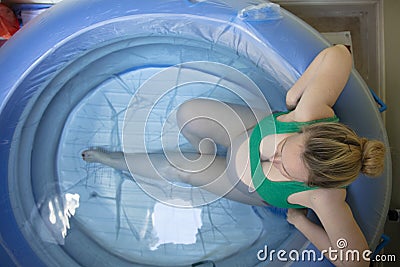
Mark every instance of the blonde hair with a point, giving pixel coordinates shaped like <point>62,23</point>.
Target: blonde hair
<point>335,155</point>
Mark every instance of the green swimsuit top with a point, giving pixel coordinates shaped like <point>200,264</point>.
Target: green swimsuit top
<point>276,193</point>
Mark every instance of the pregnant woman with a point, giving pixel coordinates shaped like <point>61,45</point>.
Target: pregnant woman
<point>299,159</point>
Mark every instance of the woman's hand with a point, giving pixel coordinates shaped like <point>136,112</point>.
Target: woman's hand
<point>295,215</point>
<point>292,99</point>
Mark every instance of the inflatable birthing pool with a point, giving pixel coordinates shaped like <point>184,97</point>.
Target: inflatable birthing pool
<point>69,77</point>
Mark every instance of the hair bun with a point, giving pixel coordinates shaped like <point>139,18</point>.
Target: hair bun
<point>373,157</point>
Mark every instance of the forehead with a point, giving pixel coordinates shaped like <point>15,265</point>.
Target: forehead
<point>295,141</point>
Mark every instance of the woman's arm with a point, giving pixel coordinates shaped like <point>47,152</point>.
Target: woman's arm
<point>316,91</point>
<point>338,225</point>
<point>313,232</point>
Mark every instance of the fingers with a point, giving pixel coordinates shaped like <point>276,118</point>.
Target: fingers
<point>294,215</point>
<point>292,100</point>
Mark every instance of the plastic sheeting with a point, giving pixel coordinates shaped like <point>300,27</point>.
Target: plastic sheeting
<point>72,72</point>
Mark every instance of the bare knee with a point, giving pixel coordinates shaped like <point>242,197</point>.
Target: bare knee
<point>184,113</point>
<point>190,110</point>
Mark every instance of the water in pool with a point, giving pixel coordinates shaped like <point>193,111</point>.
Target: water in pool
<point>112,209</point>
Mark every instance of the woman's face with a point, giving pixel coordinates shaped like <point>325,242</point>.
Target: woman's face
<point>287,158</point>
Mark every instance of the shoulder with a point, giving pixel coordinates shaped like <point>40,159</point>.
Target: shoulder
<point>307,115</point>
<point>319,198</point>
<point>322,197</point>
